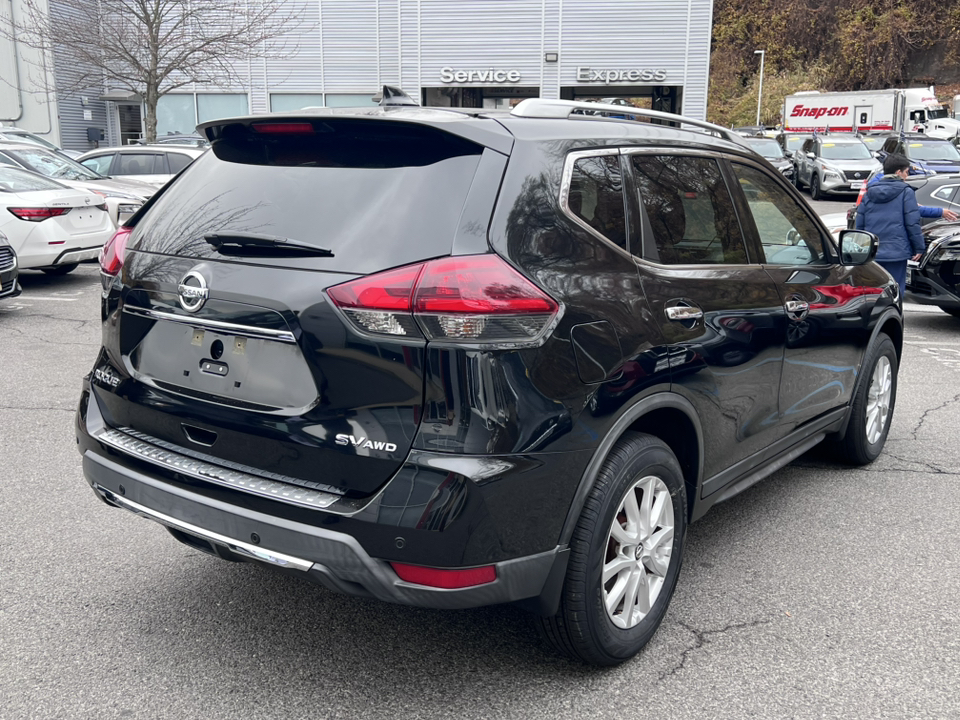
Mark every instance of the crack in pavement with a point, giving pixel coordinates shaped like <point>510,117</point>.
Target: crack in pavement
<point>701,638</point>
<point>17,407</point>
<point>923,418</point>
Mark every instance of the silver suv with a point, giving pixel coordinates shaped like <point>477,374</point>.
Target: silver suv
<point>831,164</point>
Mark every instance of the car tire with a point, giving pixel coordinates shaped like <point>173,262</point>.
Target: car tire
<point>815,193</point>
<point>607,622</point>
<point>61,269</point>
<point>873,405</point>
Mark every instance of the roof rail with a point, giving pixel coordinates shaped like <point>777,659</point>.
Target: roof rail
<point>542,108</point>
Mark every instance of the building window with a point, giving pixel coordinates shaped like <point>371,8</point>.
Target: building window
<point>180,113</point>
<point>289,102</point>
<point>345,101</point>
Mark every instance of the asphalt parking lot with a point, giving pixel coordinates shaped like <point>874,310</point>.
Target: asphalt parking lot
<point>822,592</point>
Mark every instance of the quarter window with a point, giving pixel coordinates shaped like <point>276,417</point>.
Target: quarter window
<point>178,161</point>
<point>788,235</point>
<point>596,196</point>
<point>690,218</point>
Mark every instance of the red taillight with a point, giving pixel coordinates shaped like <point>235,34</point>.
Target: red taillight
<point>111,254</point>
<point>283,128</point>
<point>38,214</point>
<point>446,579</point>
<point>473,298</point>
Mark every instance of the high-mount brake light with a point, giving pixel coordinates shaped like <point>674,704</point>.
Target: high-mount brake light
<point>283,128</point>
<point>38,214</point>
<point>446,579</point>
<point>111,254</point>
<point>471,299</point>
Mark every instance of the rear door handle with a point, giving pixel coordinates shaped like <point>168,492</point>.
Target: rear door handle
<point>682,313</point>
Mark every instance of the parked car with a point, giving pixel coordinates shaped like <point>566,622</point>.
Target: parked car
<point>933,191</point>
<point>50,226</point>
<point>790,143</point>
<point>935,278</point>
<point>9,271</point>
<point>834,163</point>
<point>927,155</point>
<point>18,135</point>
<point>152,164</point>
<point>428,355</point>
<point>770,150</point>
<point>188,140</point>
<point>123,197</point>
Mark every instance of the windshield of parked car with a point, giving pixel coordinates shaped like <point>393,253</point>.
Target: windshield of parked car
<point>53,165</point>
<point>795,142</point>
<point>29,138</point>
<point>769,149</point>
<point>16,180</point>
<point>926,150</point>
<point>844,151</point>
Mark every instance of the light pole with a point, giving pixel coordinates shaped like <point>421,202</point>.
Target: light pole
<point>760,93</point>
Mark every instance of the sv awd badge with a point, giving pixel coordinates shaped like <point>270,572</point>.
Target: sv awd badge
<point>365,444</point>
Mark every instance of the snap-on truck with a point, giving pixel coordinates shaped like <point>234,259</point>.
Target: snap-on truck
<point>910,110</point>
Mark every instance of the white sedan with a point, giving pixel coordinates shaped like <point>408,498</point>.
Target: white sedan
<point>51,227</point>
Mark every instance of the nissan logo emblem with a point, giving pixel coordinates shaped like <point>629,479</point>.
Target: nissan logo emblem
<point>192,291</point>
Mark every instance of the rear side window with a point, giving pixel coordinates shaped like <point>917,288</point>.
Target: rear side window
<point>690,218</point>
<point>100,164</point>
<point>140,164</point>
<point>178,161</point>
<point>377,194</point>
<point>596,197</point>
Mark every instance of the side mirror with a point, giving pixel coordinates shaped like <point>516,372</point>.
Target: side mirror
<point>857,247</point>
<point>788,153</point>
<point>810,155</point>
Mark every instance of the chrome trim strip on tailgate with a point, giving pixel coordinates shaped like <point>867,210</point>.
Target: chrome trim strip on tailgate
<point>224,327</point>
<point>217,474</point>
<point>237,546</point>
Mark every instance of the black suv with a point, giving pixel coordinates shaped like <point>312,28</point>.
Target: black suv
<point>452,358</point>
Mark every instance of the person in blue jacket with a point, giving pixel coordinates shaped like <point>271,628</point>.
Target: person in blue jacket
<point>889,210</point>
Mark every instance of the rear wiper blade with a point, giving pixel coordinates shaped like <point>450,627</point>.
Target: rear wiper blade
<point>258,245</point>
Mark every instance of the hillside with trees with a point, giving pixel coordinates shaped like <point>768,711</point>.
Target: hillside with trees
<point>827,45</point>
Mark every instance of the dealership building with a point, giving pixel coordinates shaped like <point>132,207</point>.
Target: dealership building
<point>447,53</point>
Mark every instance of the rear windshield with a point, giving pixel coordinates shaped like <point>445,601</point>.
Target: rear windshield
<point>17,181</point>
<point>376,194</point>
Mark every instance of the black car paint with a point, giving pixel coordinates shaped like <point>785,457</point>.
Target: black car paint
<point>935,280</point>
<point>531,428</point>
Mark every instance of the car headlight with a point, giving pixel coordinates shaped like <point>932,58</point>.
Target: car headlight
<point>827,170</point>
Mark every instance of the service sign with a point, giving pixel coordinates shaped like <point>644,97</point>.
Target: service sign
<point>490,75</point>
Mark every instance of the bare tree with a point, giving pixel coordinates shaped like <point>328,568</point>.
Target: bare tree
<point>152,47</point>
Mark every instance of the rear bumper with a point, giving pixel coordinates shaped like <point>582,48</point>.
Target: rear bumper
<point>333,559</point>
<point>425,515</point>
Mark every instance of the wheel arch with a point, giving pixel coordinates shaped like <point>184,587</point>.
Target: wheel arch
<point>665,415</point>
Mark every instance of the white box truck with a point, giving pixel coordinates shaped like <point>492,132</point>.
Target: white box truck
<point>909,110</point>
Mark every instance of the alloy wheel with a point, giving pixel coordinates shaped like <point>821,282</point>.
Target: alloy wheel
<point>639,547</point>
<point>879,395</point>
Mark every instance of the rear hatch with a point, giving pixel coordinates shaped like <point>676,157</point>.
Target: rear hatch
<point>220,326</point>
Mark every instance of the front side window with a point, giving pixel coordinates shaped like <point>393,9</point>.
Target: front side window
<point>596,197</point>
<point>690,218</point>
<point>99,164</point>
<point>788,235</point>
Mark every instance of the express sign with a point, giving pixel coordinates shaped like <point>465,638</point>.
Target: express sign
<point>801,111</point>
